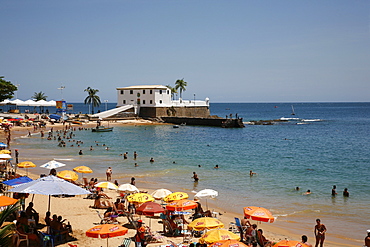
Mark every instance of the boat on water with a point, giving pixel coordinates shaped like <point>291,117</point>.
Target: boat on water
<point>102,129</point>
<point>293,113</point>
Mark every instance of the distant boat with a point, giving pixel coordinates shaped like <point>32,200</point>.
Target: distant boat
<point>102,129</point>
<point>175,126</point>
<point>293,113</point>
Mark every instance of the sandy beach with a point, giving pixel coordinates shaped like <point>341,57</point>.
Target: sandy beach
<point>77,211</point>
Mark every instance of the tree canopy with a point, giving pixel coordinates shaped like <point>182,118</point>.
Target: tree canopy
<point>181,85</point>
<point>173,91</point>
<point>6,89</point>
<point>92,98</point>
<point>39,96</point>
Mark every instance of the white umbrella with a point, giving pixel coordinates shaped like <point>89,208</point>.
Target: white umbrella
<point>29,102</point>
<point>128,188</point>
<point>52,164</point>
<point>161,193</point>
<point>205,194</point>
<point>50,185</point>
<point>5,156</point>
<point>16,102</point>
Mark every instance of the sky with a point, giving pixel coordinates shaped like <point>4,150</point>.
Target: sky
<point>227,50</point>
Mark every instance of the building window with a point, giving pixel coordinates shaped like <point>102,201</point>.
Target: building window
<point>131,91</point>
<point>168,91</point>
<point>138,101</point>
<point>144,102</point>
<point>160,91</point>
<point>138,94</point>
<point>143,91</point>
<point>121,91</point>
<point>151,91</point>
<point>160,102</point>
<point>124,102</point>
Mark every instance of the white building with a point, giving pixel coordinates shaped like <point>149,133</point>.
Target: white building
<point>155,101</point>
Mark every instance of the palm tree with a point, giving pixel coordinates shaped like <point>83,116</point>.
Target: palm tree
<point>92,98</point>
<point>6,232</point>
<point>173,91</point>
<point>181,84</point>
<point>39,96</point>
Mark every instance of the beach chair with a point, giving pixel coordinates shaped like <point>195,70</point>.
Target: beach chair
<point>241,228</point>
<point>103,220</point>
<point>153,237</point>
<point>126,242</point>
<point>22,237</point>
<point>46,239</point>
<point>132,221</point>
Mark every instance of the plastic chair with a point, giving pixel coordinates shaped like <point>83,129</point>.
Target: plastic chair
<point>22,237</point>
<point>46,238</point>
<point>126,242</point>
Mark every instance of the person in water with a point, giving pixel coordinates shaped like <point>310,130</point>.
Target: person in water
<point>195,176</point>
<point>319,231</point>
<point>333,190</point>
<point>345,192</point>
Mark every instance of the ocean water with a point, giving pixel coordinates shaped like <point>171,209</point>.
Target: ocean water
<point>327,146</point>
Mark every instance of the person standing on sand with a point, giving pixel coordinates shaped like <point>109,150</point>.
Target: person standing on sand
<point>109,173</point>
<point>195,176</point>
<point>367,239</point>
<point>319,231</point>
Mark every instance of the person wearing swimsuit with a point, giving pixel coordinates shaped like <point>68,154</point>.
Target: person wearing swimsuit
<point>320,230</point>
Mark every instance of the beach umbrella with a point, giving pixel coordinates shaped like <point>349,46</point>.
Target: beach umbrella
<point>181,205</point>
<point>213,236</point>
<point>176,196</point>
<point>129,188</point>
<point>53,164</point>
<point>259,214</point>
<point>6,201</point>
<point>5,156</point>
<point>289,243</point>
<point>17,181</point>
<point>3,145</point>
<point>5,151</point>
<point>140,198</point>
<point>204,223</point>
<point>83,169</point>
<point>67,175</point>
<point>106,231</point>
<point>161,193</point>
<point>50,185</point>
<point>149,209</point>
<point>228,243</point>
<point>106,185</point>
<point>205,194</point>
<point>26,164</point>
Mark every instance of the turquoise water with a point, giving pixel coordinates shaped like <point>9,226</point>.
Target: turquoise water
<point>329,148</point>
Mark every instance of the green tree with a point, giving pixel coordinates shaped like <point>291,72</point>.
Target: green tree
<point>181,85</point>
<point>92,98</point>
<point>6,232</point>
<point>39,96</point>
<point>173,91</point>
<point>7,89</point>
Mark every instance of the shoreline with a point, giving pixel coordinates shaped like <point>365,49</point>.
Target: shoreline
<point>272,231</point>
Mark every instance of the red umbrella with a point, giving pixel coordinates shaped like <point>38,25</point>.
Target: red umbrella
<point>150,208</point>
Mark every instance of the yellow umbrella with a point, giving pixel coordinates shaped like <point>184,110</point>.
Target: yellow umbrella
<point>67,175</point>
<point>107,185</point>
<point>140,198</point>
<point>26,164</point>
<point>83,169</point>
<point>5,151</point>
<point>203,223</point>
<point>216,235</point>
<point>176,196</point>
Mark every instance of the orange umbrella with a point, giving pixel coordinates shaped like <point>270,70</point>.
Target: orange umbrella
<point>106,231</point>
<point>181,205</point>
<point>259,214</point>
<point>289,243</point>
<point>6,201</point>
<point>176,196</point>
<point>228,243</point>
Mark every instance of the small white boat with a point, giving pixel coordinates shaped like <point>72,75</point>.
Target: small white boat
<point>102,129</point>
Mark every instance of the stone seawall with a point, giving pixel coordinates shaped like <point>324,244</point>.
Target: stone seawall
<point>190,112</point>
<point>217,122</point>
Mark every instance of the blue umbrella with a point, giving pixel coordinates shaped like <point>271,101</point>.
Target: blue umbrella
<point>17,181</point>
<point>55,116</point>
<point>3,145</point>
<point>50,185</point>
